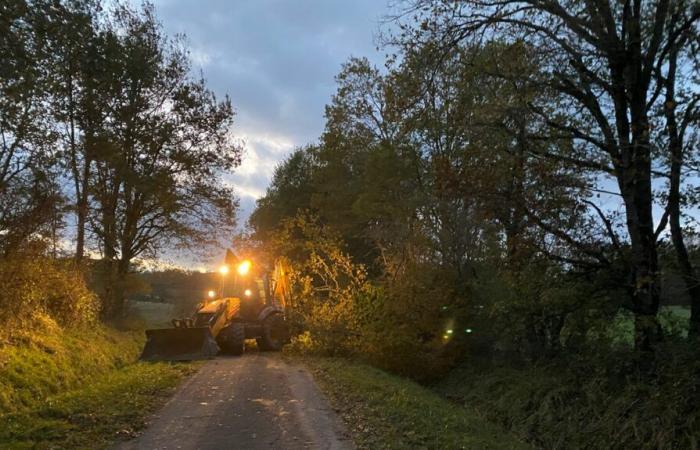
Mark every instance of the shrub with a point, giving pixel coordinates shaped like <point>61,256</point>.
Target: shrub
<point>34,287</point>
<point>397,327</point>
<point>403,324</point>
<point>396,324</point>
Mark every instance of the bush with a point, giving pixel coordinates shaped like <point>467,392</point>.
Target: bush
<point>42,287</point>
<point>396,328</point>
<point>397,324</point>
<point>403,325</point>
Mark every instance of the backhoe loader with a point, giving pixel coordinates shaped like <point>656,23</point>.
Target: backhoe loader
<point>222,325</point>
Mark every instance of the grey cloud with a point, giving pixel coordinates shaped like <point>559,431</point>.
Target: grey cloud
<point>276,58</point>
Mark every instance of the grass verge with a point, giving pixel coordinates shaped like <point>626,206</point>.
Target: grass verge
<point>48,360</point>
<point>389,412</point>
<point>78,388</point>
<point>112,408</point>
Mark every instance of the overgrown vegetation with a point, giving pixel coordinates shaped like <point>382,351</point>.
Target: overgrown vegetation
<point>586,403</point>
<point>388,412</point>
<point>516,191</point>
<point>38,287</point>
<point>66,380</point>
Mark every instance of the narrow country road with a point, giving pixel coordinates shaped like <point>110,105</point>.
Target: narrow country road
<point>257,401</point>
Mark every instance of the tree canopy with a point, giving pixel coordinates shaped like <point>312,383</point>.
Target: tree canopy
<point>104,125</point>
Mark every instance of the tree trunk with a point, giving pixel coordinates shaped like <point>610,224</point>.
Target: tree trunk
<point>645,297</point>
<point>633,166</point>
<point>688,273</point>
<point>82,206</point>
<point>675,143</point>
<point>634,177</point>
<point>694,325</point>
<point>118,300</point>
<point>82,211</point>
<point>80,191</point>
<point>110,299</point>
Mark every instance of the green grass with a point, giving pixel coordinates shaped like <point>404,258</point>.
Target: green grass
<point>113,407</point>
<point>673,319</point>
<point>389,412</point>
<point>151,314</point>
<point>585,404</point>
<point>48,360</point>
<point>80,388</point>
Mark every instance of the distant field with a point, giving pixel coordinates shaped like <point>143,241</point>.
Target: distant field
<point>680,311</point>
<point>674,320</point>
<point>152,314</point>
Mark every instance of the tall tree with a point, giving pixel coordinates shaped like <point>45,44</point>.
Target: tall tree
<point>72,58</point>
<point>27,190</point>
<point>600,57</point>
<point>681,115</point>
<point>159,159</point>
<point>290,191</point>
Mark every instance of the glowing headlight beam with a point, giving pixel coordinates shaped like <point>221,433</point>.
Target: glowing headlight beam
<point>244,267</point>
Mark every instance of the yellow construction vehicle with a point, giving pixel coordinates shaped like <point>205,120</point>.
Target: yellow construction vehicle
<point>257,310</point>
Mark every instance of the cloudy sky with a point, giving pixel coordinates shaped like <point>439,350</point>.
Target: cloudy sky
<point>277,60</point>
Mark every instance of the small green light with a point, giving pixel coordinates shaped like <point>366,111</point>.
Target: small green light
<point>449,331</point>
<point>468,330</point>
<point>444,308</point>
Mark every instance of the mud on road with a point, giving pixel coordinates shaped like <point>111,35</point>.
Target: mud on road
<point>257,401</point>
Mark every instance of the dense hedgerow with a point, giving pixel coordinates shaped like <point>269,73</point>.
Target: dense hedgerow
<point>38,286</point>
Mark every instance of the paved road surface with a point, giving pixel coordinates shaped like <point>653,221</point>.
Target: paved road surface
<point>256,401</point>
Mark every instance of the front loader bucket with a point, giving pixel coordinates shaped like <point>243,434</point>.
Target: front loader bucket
<point>179,344</point>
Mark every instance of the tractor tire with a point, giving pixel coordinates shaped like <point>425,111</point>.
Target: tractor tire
<point>275,333</point>
<point>231,339</point>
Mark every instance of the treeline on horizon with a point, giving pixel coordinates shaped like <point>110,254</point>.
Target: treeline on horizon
<point>111,150</point>
<point>512,189</point>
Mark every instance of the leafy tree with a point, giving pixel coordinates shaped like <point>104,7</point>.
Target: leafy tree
<point>357,124</point>
<point>28,193</point>
<point>100,107</point>
<point>72,57</point>
<point>601,59</point>
<point>158,160</point>
<point>290,191</point>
